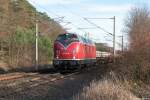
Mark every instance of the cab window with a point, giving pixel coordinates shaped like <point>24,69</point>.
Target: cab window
<point>68,38</point>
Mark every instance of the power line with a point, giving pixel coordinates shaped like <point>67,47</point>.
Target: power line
<point>86,19</point>
<point>88,28</point>
<point>114,29</point>
<point>99,18</point>
<point>57,15</point>
<point>97,26</point>
<point>75,15</point>
<point>91,24</point>
<point>78,28</point>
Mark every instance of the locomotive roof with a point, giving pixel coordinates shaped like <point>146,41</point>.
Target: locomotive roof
<point>82,39</point>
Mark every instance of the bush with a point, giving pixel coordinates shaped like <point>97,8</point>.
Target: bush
<point>136,62</point>
<point>21,48</point>
<point>106,90</point>
<point>45,45</point>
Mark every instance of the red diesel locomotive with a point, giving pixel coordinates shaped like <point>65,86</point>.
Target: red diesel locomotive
<point>72,51</point>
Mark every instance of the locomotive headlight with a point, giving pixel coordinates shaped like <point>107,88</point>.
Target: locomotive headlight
<point>57,57</point>
<point>74,57</point>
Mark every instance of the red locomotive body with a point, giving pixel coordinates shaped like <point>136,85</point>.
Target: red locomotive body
<point>72,49</point>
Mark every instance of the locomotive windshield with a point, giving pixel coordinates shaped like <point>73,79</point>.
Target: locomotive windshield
<point>66,39</point>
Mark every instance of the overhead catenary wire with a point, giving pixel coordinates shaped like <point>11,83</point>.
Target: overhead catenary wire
<point>57,15</point>
<point>97,26</point>
<point>86,19</point>
<point>83,18</point>
<point>98,18</point>
<point>93,24</point>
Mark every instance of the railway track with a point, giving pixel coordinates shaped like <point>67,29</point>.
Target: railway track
<point>14,83</point>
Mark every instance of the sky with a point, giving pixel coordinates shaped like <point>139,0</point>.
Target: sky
<point>71,15</point>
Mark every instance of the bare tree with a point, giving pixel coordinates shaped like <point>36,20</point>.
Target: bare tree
<point>138,26</point>
<point>138,29</point>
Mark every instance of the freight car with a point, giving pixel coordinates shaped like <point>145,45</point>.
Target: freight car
<point>72,51</point>
<point>104,57</point>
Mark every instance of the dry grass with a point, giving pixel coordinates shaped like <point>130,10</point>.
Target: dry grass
<point>106,89</point>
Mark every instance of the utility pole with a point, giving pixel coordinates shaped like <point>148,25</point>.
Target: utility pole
<point>112,34</point>
<point>114,38</point>
<point>36,51</point>
<point>122,44</point>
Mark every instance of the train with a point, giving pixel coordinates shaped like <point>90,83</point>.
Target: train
<point>103,57</point>
<point>72,51</point>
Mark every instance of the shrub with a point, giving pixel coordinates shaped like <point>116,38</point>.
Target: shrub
<point>21,48</point>
<point>136,62</point>
<point>106,89</point>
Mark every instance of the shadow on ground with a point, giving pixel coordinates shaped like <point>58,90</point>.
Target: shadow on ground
<point>42,69</point>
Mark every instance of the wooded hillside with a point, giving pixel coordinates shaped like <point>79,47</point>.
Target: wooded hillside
<point>17,34</point>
